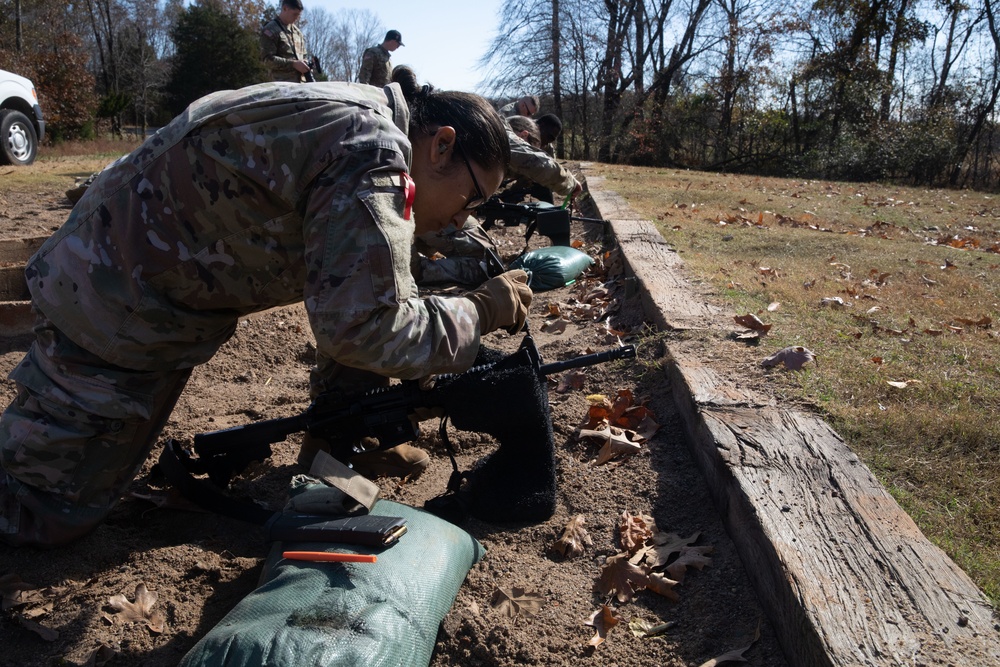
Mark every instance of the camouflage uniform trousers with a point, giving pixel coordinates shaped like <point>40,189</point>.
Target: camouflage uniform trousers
<point>74,438</point>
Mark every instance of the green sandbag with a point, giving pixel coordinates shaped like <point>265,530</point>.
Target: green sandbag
<point>552,267</point>
<point>347,614</point>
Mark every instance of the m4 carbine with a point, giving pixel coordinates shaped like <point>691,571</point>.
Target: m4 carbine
<point>546,219</point>
<point>343,420</point>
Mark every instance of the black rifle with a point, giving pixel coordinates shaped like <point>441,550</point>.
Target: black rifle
<point>546,219</point>
<point>314,66</point>
<point>383,413</point>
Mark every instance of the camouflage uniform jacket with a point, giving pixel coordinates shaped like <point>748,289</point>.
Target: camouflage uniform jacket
<point>508,110</point>
<point>280,46</point>
<point>527,162</point>
<point>251,199</point>
<point>376,69</point>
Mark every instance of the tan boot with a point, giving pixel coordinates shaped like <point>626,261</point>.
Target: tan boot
<point>310,447</point>
<point>398,461</point>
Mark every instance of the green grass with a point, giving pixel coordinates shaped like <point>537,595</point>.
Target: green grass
<point>914,302</point>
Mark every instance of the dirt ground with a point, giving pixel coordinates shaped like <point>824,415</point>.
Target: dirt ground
<point>201,565</point>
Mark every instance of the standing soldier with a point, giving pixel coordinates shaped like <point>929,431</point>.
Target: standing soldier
<point>376,68</point>
<point>283,46</point>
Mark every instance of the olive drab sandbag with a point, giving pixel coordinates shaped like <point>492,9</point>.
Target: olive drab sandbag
<point>552,267</point>
<point>347,614</point>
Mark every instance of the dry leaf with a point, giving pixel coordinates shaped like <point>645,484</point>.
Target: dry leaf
<point>616,443</point>
<point>634,530</point>
<point>773,306</point>
<point>574,539</point>
<point>100,656</point>
<point>752,322</point>
<point>792,357</point>
<point>47,634</point>
<point>601,620</point>
<point>140,611</point>
<point>733,656</point>
<point>696,557</point>
<point>835,302</point>
<point>571,380</point>
<point>642,628</point>
<point>556,326</point>
<point>621,578</point>
<point>516,602</point>
<point>662,585</point>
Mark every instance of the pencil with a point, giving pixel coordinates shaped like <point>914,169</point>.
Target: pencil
<point>329,557</point>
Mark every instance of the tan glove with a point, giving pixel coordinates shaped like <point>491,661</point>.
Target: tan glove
<point>502,302</point>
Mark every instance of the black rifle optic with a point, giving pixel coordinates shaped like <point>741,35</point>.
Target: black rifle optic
<point>383,413</point>
<point>546,219</point>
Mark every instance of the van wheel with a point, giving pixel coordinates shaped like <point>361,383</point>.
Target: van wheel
<point>18,141</point>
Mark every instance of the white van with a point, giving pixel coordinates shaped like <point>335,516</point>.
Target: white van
<point>21,122</point>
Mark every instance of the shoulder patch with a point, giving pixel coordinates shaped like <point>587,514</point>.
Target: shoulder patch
<point>268,33</point>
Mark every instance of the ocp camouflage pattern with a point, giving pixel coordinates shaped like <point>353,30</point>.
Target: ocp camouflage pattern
<point>248,200</point>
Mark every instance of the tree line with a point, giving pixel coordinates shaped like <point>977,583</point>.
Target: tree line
<point>901,90</point>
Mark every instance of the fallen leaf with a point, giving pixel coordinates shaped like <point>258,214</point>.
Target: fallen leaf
<point>140,611</point>
<point>733,656</point>
<point>642,628</point>
<point>835,302</point>
<point>792,357</point>
<point>752,322</point>
<point>47,634</point>
<point>616,443</point>
<point>621,578</point>
<point>556,326</point>
<point>696,557</point>
<point>100,656</point>
<point>902,384</point>
<point>634,530</point>
<point>662,585</point>
<point>773,306</point>
<point>516,602</point>
<point>602,621</point>
<point>571,380</point>
<point>574,539</point>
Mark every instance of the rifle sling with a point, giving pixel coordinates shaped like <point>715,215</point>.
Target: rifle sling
<point>457,476</point>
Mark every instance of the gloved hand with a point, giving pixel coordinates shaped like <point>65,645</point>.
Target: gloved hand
<point>502,302</point>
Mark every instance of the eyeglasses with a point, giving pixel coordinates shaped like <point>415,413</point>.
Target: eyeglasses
<point>480,198</point>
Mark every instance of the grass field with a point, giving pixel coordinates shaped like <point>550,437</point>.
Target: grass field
<point>896,291</point>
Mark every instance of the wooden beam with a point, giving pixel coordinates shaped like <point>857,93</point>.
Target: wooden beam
<point>845,576</point>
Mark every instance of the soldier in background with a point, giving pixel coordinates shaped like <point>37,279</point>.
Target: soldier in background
<point>250,199</point>
<point>549,129</point>
<point>376,66</point>
<point>283,46</point>
<point>522,106</point>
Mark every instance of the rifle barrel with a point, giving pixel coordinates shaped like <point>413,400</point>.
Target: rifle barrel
<point>626,352</point>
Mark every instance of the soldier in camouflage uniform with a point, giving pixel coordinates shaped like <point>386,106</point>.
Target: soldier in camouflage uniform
<point>522,106</point>
<point>283,46</point>
<point>376,66</point>
<point>248,200</point>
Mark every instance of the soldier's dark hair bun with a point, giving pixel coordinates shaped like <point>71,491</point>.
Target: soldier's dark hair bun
<point>407,80</point>
<point>478,127</point>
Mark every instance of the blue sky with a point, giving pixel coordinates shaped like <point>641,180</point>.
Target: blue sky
<point>444,39</point>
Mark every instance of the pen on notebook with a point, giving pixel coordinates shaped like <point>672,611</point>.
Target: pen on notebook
<point>329,557</point>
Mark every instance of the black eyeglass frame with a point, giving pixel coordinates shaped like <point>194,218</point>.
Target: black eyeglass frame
<point>472,204</point>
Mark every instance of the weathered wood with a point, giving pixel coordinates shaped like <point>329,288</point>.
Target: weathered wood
<point>16,319</point>
<point>12,284</point>
<point>667,299</point>
<point>845,575</point>
<point>19,250</point>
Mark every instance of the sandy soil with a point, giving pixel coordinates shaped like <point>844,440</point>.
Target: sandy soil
<point>201,565</point>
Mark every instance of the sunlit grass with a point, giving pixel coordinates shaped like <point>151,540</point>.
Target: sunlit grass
<point>916,311</point>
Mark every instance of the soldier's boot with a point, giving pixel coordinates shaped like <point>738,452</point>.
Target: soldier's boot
<point>404,461</point>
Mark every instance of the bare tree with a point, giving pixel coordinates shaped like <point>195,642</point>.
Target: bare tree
<point>340,39</point>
